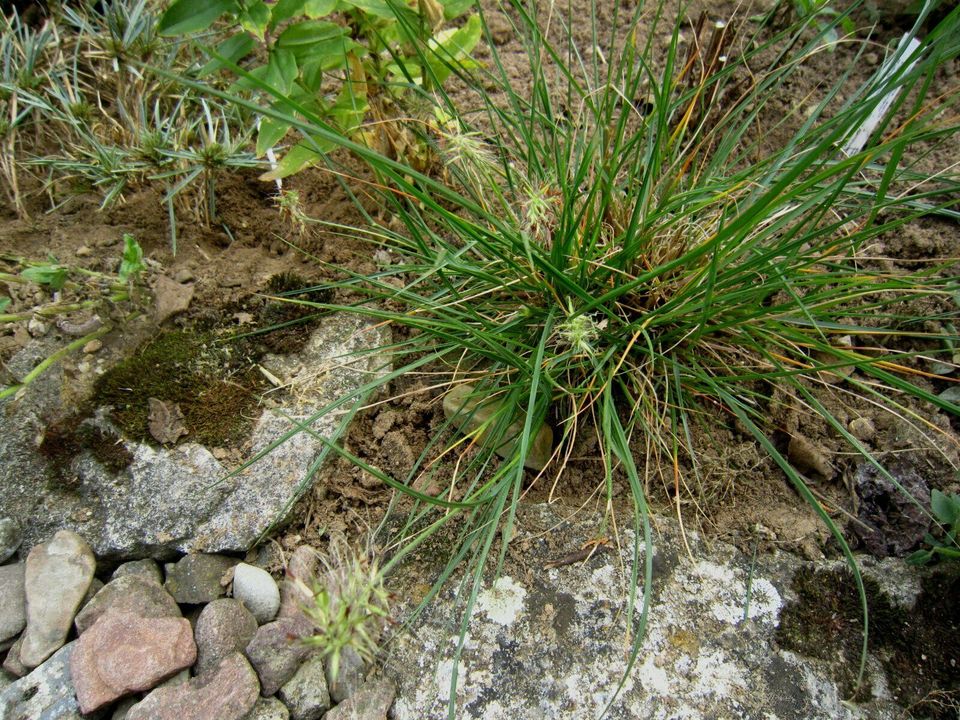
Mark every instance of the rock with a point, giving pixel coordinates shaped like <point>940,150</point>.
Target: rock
<point>257,590</point>
<point>10,538</point>
<point>349,675</point>
<point>12,664</point>
<point>276,652</point>
<point>123,654</point>
<point>131,593</point>
<point>268,708</point>
<point>470,413</point>
<point>862,428</point>
<point>553,643</point>
<point>94,346</point>
<point>806,457</point>
<point>196,578</point>
<point>224,626</point>
<point>890,523</point>
<point>301,566</point>
<point>146,568</point>
<point>123,707</point>
<point>228,693</point>
<point>184,276</point>
<point>58,574</point>
<point>168,501</point>
<point>170,298</point>
<point>305,694</point>
<point>370,702</point>
<point>13,609</point>
<point>44,694</point>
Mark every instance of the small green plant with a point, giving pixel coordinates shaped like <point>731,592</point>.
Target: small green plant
<point>946,509</point>
<point>825,17</point>
<point>86,304</point>
<point>345,61</point>
<point>347,605</point>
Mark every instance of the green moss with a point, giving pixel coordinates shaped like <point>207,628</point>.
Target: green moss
<point>219,403</point>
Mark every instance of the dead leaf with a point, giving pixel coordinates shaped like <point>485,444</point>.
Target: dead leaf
<point>165,421</point>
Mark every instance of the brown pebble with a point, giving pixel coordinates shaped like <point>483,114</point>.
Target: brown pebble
<point>184,276</point>
<point>83,251</point>
<point>93,346</point>
<point>862,428</point>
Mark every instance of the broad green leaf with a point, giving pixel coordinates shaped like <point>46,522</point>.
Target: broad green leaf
<point>455,8</point>
<point>284,10</point>
<point>271,132</point>
<point>313,40</point>
<point>349,109</point>
<point>943,507</point>
<point>377,8</point>
<point>319,8</point>
<point>4,301</point>
<point>189,16</point>
<point>54,276</point>
<point>454,46</point>
<point>132,263</point>
<point>232,49</point>
<point>255,18</point>
<point>300,156</point>
<point>282,70</point>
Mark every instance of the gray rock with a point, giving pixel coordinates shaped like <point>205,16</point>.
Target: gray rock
<point>229,693</point>
<point>276,652</point>
<point>131,593</point>
<point>147,568</point>
<point>372,702</point>
<point>224,626</point>
<point>13,609</point>
<point>268,708</point>
<point>10,537</point>
<point>58,575</point>
<point>892,519</point>
<point>551,641</point>
<point>197,578</point>
<point>349,675</point>
<point>44,694</point>
<point>255,588</point>
<point>305,694</point>
<point>170,501</point>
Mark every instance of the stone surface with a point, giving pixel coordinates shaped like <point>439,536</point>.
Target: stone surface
<point>123,653</point>
<point>170,298</point>
<point>268,708</point>
<point>349,675</point>
<point>276,652</point>
<point>224,626</point>
<point>58,574</point>
<point>11,663</point>
<point>256,589</point>
<point>305,694</point>
<point>11,535</point>
<point>44,694</point>
<point>147,568</point>
<point>551,642</point>
<point>228,693</point>
<point>132,593</point>
<point>196,578</point>
<point>13,600</point>
<point>373,700</point>
<point>891,523</point>
<point>170,501</point>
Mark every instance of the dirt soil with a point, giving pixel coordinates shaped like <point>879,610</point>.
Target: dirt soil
<point>737,494</point>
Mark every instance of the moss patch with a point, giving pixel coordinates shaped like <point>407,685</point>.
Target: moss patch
<point>218,401</point>
<point>67,438</point>
<point>917,648</point>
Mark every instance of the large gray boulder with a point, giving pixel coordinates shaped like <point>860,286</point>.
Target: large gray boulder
<point>551,641</point>
<point>180,499</point>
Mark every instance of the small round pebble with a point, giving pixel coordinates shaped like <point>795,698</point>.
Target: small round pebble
<point>93,346</point>
<point>11,536</point>
<point>256,589</point>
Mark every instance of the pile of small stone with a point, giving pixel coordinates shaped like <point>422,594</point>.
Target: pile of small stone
<point>166,644</point>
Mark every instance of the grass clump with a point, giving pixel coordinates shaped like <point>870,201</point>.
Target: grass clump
<point>635,243</point>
